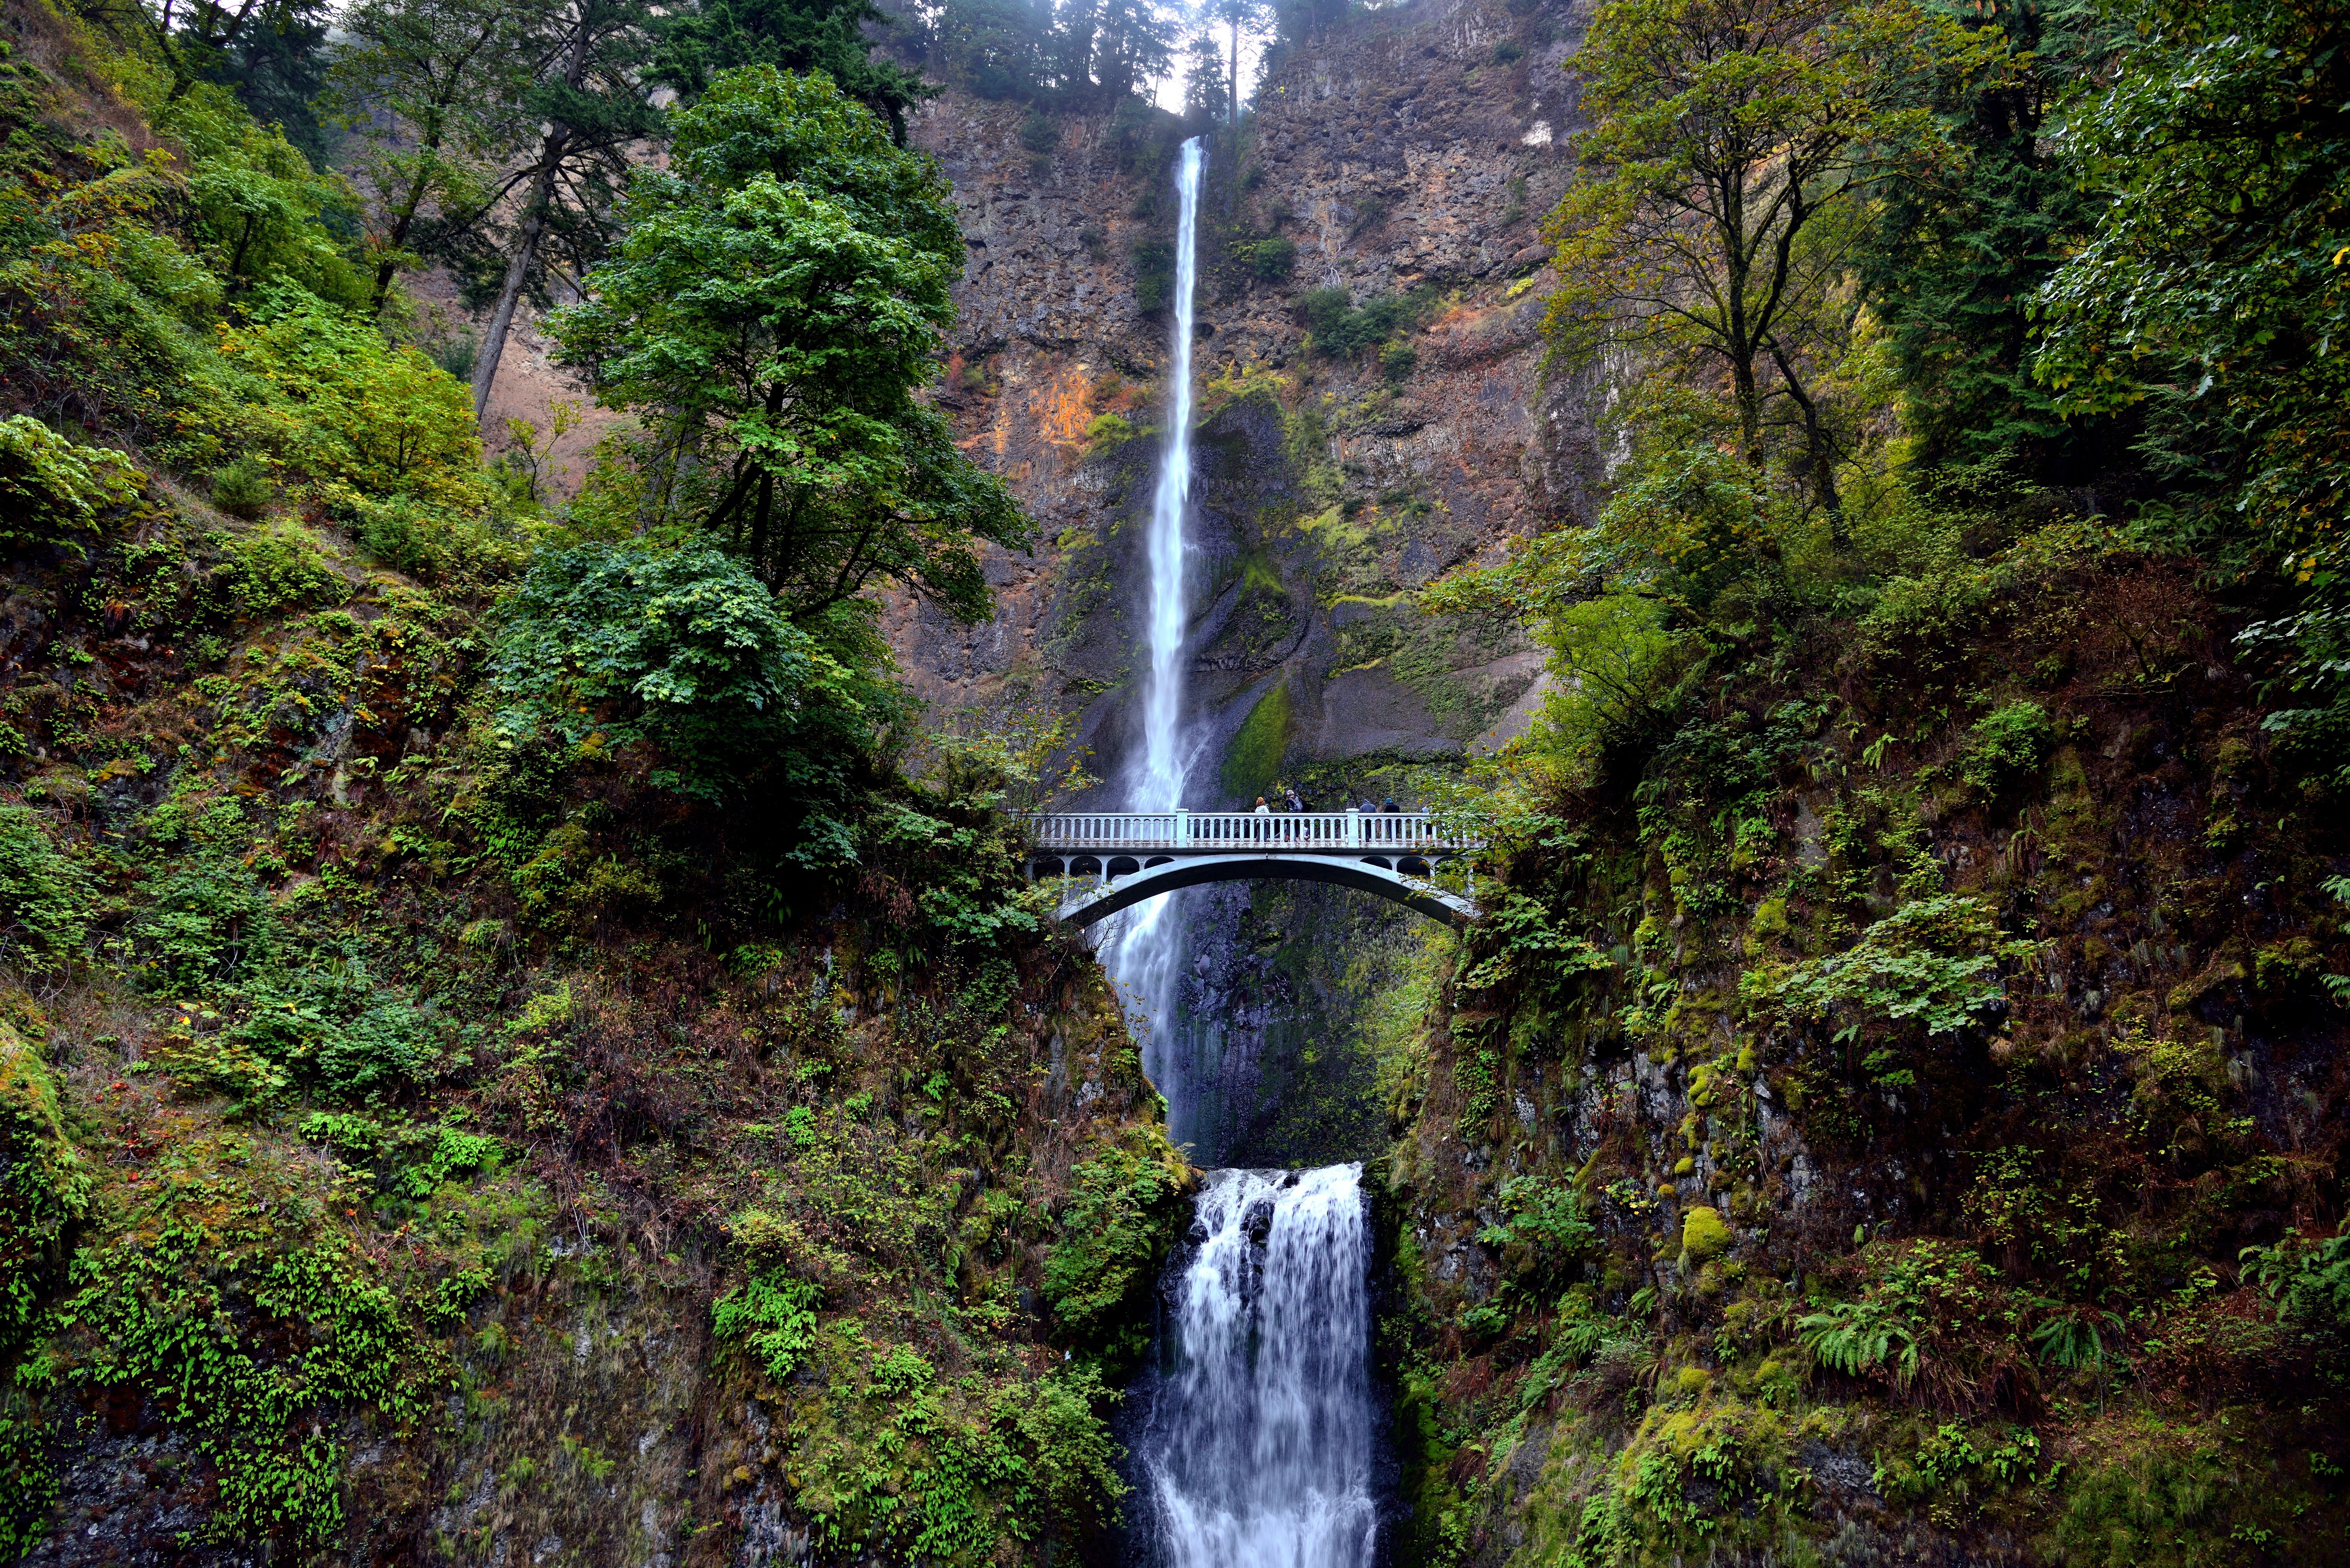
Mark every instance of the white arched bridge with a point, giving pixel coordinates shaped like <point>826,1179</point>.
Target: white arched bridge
<point>1138,854</point>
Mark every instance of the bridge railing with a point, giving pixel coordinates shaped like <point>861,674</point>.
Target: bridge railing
<point>1310,832</point>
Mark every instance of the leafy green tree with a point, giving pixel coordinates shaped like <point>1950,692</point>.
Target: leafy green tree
<point>429,87</point>
<point>826,36</point>
<point>776,301</point>
<point>1709,223</point>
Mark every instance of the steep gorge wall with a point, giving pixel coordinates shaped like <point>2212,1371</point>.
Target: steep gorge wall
<point>1397,155</point>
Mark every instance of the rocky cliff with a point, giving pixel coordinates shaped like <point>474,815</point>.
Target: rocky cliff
<point>1405,158</point>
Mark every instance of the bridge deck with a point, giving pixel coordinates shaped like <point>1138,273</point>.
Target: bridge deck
<point>1181,833</point>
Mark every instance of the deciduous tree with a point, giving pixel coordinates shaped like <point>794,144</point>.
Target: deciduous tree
<point>1726,136</point>
<point>776,301</point>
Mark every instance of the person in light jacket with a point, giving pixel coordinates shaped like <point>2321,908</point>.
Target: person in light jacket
<point>1265,829</point>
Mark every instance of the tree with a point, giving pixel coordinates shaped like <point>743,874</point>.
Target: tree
<point>2214,296</point>
<point>430,86</point>
<point>1955,261</point>
<point>587,95</point>
<point>826,36</point>
<point>1708,223</point>
<point>779,298</point>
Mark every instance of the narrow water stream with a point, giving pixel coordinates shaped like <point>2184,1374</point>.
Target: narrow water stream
<point>1258,1450</point>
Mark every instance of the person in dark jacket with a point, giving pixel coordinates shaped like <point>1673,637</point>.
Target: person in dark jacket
<point>1390,805</point>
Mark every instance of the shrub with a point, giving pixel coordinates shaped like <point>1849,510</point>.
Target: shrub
<point>1039,133</point>
<point>1116,1227</point>
<point>209,921</point>
<point>272,568</point>
<point>1933,961</point>
<point>1342,328</point>
<point>1397,360</point>
<point>1543,1233</point>
<point>44,895</point>
<point>384,420</point>
<point>1154,276</point>
<point>773,1316</point>
<point>1105,433</point>
<point>683,651</point>
<point>2006,748</point>
<point>242,488</point>
<point>434,543</point>
<point>48,485</point>
<point>1508,52</point>
<point>1270,259</point>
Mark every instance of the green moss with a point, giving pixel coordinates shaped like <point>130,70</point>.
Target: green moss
<point>1703,1234</point>
<point>1253,761</point>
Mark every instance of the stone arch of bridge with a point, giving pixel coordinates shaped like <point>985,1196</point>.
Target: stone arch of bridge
<point>1134,877</point>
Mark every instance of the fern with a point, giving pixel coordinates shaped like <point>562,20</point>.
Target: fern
<point>1859,1338</point>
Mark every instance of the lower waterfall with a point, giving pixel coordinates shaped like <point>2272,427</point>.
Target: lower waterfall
<point>1259,1448</point>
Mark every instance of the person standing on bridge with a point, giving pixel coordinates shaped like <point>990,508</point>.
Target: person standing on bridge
<point>1390,805</point>
<point>1263,830</point>
<point>1296,806</point>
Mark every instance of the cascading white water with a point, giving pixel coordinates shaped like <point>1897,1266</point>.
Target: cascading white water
<point>1258,1451</point>
<point>1141,953</point>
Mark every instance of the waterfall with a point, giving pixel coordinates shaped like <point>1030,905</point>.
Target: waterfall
<point>1142,952</point>
<point>1259,1445</point>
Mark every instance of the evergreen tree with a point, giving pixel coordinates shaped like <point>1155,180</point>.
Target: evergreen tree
<point>587,98</point>
<point>1956,259</point>
<point>826,36</point>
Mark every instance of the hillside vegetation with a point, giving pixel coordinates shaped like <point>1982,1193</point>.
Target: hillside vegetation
<point>495,1049</point>
<point>1894,1112</point>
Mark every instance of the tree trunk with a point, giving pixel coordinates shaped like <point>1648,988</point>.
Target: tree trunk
<point>1818,450</point>
<point>551,149</point>
<point>493,341</point>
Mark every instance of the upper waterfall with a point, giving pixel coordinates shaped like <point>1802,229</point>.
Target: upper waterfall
<point>1142,953</point>
<point>1159,786</point>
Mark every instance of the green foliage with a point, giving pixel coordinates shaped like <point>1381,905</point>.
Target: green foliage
<point>1270,259</point>
<point>384,420</point>
<point>2006,748</point>
<point>774,305</point>
<point>2308,1278</point>
<point>773,1316</point>
<point>1545,1235</point>
<point>334,1029</point>
<point>1932,1317</point>
<point>1154,276</point>
<point>1730,148</point>
<point>242,489</point>
<point>279,568</point>
<point>1105,433</point>
<point>45,1186</point>
<point>208,921</point>
<point>1343,329</point>
<point>683,651</point>
<point>45,896</point>
<point>263,1350</point>
<point>1955,262</point>
<point>49,486</point>
<point>1115,1226</point>
<point>1040,133</point>
<point>1934,962</point>
<point>440,545</point>
<point>1862,1338</point>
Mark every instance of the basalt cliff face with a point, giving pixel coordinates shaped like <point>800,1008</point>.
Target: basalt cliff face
<point>1393,159</point>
